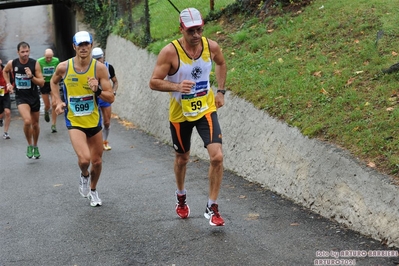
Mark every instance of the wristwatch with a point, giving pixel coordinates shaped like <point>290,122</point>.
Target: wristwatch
<point>221,91</point>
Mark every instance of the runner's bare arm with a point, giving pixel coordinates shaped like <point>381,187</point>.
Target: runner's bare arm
<point>6,74</point>
<point>107,94</point>
<point>38,77</point>
<point>58,104</point>
<point>220,71</point>
<point>163,67</point>
<point>115,84</point>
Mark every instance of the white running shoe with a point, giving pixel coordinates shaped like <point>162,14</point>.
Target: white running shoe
<point>106,146</point>
<point>84,185</point>
<point>94,199</point>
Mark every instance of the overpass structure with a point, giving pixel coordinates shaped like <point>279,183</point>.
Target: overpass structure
<point>6,4</point>
<point>63,20</point>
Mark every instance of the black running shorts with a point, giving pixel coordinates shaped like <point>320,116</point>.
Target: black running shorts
<point>207,127</point>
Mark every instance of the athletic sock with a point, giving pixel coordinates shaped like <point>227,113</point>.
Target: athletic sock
<point>105,133</point>
<point>181,192</point>
<point>210,202</point>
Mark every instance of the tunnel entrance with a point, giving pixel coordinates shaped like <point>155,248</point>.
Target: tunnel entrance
<point>64,29</point>
<point>41,26</point>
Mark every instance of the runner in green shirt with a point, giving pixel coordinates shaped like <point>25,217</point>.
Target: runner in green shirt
<point>48,63</point>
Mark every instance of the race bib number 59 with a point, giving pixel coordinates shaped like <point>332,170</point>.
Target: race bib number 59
<point>194,104</point>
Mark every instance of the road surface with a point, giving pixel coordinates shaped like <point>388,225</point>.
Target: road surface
<point>45,221</point>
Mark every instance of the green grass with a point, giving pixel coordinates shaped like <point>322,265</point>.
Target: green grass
<point>165,19</point>
<point>318,70</point>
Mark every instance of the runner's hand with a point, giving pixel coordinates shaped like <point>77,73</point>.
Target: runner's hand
<point>60,108</point>
<point>28,72</point>
<point>185,86</point>
<point>219,100</point>
<point>93,83</point>
<point>10,88</point>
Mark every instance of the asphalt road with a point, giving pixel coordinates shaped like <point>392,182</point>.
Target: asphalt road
<point>45,221</point>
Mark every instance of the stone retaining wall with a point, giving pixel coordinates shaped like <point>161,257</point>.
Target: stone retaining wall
<point>261,149</point>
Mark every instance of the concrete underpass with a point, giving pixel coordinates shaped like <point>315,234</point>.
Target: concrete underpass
<point>60,27</point>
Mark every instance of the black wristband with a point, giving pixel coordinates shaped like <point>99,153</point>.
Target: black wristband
<point>98,91</point>
<point>221,91</point>
<point>31,77</point>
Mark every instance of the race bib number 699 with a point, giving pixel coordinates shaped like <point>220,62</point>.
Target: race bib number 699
<point>82,105</point>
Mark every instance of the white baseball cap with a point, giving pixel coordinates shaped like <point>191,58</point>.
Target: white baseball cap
<point>82,36</point>
<point>190,17</point>
<point>97,53</point>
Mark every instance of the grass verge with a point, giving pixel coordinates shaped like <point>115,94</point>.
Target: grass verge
<point>318,68</point>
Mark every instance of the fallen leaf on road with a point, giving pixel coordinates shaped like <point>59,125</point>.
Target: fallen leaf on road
<point>252,216</point>
<point>127,124</point>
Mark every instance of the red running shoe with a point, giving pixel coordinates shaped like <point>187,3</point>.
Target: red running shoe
<point>182,208</point>
<point>212,213</point>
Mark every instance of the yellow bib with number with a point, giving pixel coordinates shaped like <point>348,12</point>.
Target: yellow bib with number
<point>194,103</point>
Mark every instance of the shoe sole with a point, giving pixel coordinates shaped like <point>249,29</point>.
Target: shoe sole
<point>96,204</point>
<point>207,216</point>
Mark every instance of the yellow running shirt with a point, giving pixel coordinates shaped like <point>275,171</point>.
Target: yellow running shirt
<point>82,107</point>
<point>201,100</point>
